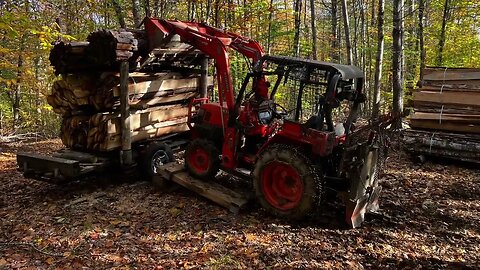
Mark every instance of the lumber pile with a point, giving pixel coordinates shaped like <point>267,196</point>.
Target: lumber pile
<point>100,91</point>
<point>102,131</point>
<point>87,94</point>
<point>89,106</point>
<point>446,118</point>
<point>105,49</point>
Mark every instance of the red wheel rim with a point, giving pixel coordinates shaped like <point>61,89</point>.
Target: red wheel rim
<point>198,159</point>
<point>282,185</point>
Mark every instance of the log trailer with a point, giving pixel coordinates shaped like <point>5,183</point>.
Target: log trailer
<point>291,148</point>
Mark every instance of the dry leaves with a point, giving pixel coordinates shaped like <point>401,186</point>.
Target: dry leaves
<point>429,219</point>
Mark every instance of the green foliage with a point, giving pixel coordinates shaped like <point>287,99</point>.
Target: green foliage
<point>28,28</point>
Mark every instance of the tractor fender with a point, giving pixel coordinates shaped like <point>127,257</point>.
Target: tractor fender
<point>282,139</point>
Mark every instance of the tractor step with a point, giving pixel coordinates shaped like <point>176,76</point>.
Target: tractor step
<point>228,198</point>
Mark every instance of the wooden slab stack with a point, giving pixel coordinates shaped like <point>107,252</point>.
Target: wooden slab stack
<point>101,131</point>
<point>89,106</point>
<point>100,92</point>
<point>105,49</point>
<point>446,118</point>
<point>161,82</point>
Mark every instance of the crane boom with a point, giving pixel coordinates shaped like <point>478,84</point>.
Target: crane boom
<point>211,41</point>
<point>214,43</point>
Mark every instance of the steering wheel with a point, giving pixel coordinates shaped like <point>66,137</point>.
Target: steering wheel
<point>282,113</point>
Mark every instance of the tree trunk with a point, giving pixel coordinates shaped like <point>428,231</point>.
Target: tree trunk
<point>378,60</point>
<point>441,41</point>
<point>410,63</point>
<point>346,26</point>
<point>335,52</point>
<point>208,11</point>
<point>421,38</point>
<point>119,13</point>
<point>146,6</point>
<point>217,13</point>
<point>135,13</point>
<point>354,37</point>
<point>296,38</point>
<point>314,29</point>
<point>397,59</point>
<point>269,38</point>
<point>17,90</point>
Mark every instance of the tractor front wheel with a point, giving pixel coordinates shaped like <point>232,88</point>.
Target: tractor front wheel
<point>286,183</point>
<point>202,159</point>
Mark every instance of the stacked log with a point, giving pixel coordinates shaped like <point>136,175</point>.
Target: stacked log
<point>465,147</point>
<point>107,46</point>
<point>161,82</point>
<point>100,92</point>
<point>89,105</point>
<point>102,131</point>
<point>103,50</point>
<point>69,57</point>
<point>446,118</point>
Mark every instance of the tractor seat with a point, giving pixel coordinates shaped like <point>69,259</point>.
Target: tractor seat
<point>313,122</point>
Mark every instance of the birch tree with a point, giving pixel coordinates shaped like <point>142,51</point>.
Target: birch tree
<point>397,59</point>
<point>378,60</point>
<point>346,26</point>
<point>421,38</point>
<point>296,38</point>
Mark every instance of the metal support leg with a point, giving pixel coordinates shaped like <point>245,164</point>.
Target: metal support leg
<point>204,77</point>
<point>126,153</point>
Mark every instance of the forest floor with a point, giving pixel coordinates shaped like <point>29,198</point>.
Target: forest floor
<point>429,219</point>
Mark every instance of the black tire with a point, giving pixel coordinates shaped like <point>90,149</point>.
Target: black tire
<point>156,154</point>
<point>280,168</point>
<point>202,159</point>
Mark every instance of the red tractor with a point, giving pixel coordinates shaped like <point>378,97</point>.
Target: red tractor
<point>290,144</point>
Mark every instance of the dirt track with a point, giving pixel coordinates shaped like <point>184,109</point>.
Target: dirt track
<point>430,218</point>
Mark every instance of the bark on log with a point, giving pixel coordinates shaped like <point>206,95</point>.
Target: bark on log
<point>464,147</point>
<point>95,132</point>
<point>101,92</point>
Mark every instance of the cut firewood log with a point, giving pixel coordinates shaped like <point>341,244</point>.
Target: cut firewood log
<point>67,57</point>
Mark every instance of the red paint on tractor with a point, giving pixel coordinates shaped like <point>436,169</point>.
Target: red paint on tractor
<point>282,185</point>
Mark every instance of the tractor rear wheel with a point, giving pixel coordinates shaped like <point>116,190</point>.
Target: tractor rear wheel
<point>202,159</point>
<point>286,183</point>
